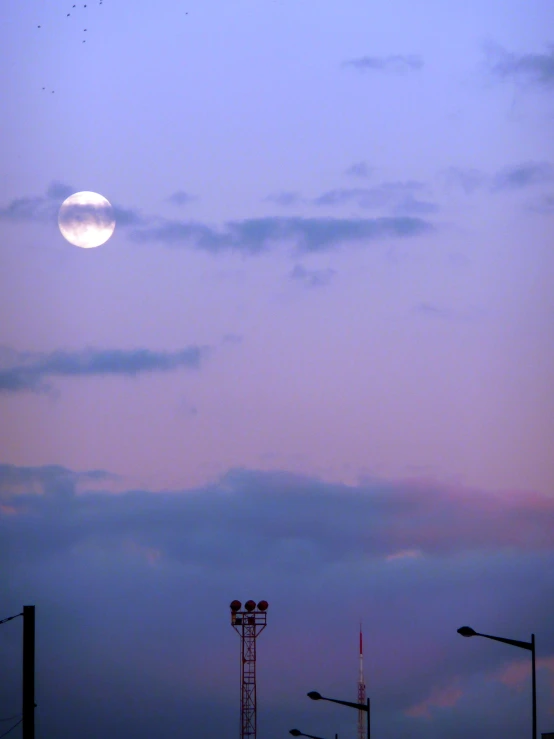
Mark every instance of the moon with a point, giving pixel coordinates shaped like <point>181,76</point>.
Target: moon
<point>86,219</point>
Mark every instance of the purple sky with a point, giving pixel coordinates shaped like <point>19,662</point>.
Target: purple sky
<point>313,364</point>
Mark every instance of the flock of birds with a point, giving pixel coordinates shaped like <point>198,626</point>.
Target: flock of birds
<point>84,29</point>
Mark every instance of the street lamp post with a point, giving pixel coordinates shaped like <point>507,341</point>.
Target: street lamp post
<point>468,631</point>
<point>315,696</point>
<point>297,732</point>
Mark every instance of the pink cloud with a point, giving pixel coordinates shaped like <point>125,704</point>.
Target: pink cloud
<point>516,674</point>
<point>402,554</point>
<point>7,510</point>
<point>150,554</point>
<point>438,698</point>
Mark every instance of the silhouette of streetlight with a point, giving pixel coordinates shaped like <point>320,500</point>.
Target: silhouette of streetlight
<point>297,732</point>
<point>315,696</point>
<point>468,631</point>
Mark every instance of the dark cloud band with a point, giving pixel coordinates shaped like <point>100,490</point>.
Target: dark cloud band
<point>29,371</point>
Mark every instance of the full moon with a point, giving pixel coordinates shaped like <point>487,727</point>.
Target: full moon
<point>86,219</point>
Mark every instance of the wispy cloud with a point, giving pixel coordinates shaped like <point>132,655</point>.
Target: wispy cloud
<point>403,554</point>
<point>180,198</point>
<point>523,175</point>
<point>400,197</point>
<point>391,64</point>
<point>47,480</point>
<point>443,313</point>
<point>31,210</point>
<point>312,277</point>
<point>285,198</point>
<point>367,520</point>
<point>29,371</point>
<point>249,236</point>
<point>44,208</point>
<point>440,697</point>
<point>59,191</point>
<point>468,179</point>
<point>530,68</point>
<point>259,235</point>
<point>360,169</point>
<point>543,205</point>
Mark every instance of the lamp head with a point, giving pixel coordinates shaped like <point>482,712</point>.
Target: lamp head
<point>314,695</point>
<point>466,631</point>
<point>295,732</point>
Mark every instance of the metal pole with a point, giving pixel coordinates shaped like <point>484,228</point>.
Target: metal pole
<point>28,721</point>
<point>534,688</point>
<point>368,722</point>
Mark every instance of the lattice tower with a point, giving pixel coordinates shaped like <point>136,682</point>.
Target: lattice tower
<point>248,623</point>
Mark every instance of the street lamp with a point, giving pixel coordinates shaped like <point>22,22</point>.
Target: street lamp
<point>468,631</point>
<point>297,732</point>
<point>315,696</point>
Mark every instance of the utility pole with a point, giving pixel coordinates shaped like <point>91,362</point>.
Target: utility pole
<point>28,721</point>
<point>363,722</point>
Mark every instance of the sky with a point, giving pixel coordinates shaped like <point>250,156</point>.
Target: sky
<point>313,364</point>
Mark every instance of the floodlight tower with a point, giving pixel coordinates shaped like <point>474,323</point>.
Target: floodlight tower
<point>248,624</point>
<point>361,694</point>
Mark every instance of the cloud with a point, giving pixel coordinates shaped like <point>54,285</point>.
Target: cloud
<point>392,64</point>
<point>59,191</point>
<point>399,196</point>
<point>251,235</point>
<point>360,169</point>
<point>132,593</point>
<point>432,310</point>
<point>29,371</point>
<point>403,554</point>
<point>258,235</point>
<point>375,520</point>
<point>285,198</point>
<point>180,198</point>
<point>129,217</point>
<point>49,481</point>
<point>32,210</point>
<point>443,697</point>
<point>523,175</point>
<point>44,209</point>
<point>468,178</point>
<point>530,68</point>
<point>312,277</point>
<point>543,205</point>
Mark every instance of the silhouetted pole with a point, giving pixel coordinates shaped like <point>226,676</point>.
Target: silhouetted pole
<point>468,631</point>
<point>28,721</point>
<point>315,696</point>
<point>534,687</point>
